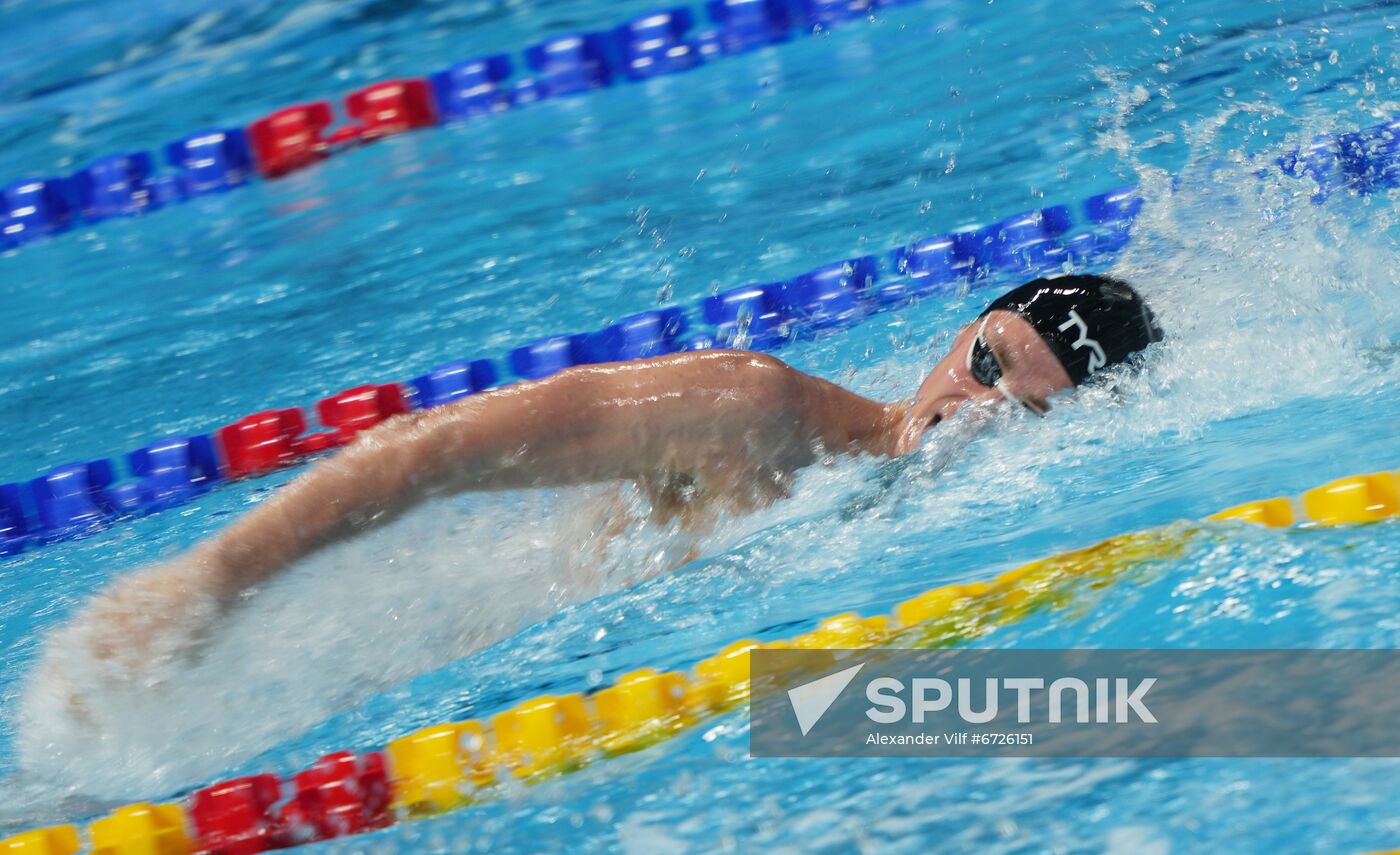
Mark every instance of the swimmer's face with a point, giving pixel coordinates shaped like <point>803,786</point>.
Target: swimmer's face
<point>1031,373</point>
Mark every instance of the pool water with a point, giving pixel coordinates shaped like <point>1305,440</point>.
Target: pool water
<point>1279,373</point>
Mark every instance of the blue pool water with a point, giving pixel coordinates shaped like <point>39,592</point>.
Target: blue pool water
<point>1280,373</point>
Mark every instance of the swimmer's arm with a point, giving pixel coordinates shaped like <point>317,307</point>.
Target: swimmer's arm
<point>587,424</point>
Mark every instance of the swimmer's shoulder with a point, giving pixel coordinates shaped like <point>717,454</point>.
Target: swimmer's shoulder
<point>809,407</point>
<point>756,377</point>
<point>720,360</point>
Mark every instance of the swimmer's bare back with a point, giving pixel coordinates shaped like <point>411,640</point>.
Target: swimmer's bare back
<point>727,427</point>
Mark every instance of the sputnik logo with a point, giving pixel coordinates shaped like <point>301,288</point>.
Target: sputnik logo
<point>810,701</point>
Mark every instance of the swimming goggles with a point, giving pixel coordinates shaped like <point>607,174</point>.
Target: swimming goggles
<point>986,369</point>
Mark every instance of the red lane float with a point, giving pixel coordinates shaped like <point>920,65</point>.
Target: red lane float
<point>235,817</point>
<point>267,441</point>
<point>290,138</point>
<point>361,408</point>
<point>341,794</point>
<point>392,107</point>
<point>297,136</point>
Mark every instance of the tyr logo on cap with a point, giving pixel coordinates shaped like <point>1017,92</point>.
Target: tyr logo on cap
<point>1097,359</point>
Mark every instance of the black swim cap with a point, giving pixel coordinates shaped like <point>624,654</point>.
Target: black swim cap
<point>1091,322</point>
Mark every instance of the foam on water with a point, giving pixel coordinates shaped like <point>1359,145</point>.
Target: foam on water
<point>438,583</point>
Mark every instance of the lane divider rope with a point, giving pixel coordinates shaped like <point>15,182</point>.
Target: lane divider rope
<point>446,766</point>
<point>226,157</point>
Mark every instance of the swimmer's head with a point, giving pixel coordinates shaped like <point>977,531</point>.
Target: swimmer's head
<point>1039,339</point>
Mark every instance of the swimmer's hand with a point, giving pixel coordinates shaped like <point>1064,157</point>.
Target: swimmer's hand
<point>152,620</point>
<point>137,634</point>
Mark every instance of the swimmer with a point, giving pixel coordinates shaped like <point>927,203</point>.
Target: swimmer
<point>695,431</point>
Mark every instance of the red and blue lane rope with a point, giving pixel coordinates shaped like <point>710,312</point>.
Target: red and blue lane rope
<point>217,159</point>
<point>661,42</point>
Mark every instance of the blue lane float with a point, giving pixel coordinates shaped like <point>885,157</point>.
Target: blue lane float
<point>73,500</point>
<point>170,472</point>
<point>14,524</point>
<point>753,316</point>
<point>745,25</point>
<point>932,262</point>
<point>526,91</point>
<point>640,336</point>
<point>1114,207</point>
<point>212,161</point>
<point>543,357</point>
<point>656,43</point>
<point>1319,161</point>
<point>36,208</point>
<point>114,186</point>
<point>452,380</point>
<point>477,87</point>
<point>1371,157</point>
<point>1081,247</point>
<point>972,246</point>
<point>832,295</point>
<point>570,64</point>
